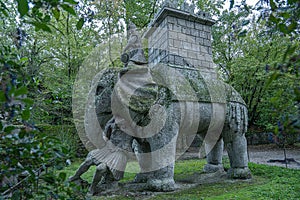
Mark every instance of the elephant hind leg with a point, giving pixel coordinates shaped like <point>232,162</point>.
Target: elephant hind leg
<point>235,141</point>
<point>214,157</point>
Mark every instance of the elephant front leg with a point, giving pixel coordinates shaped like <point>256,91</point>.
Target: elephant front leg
<point>162,166</point>
<point>157,166</point>
<point>237,152</point>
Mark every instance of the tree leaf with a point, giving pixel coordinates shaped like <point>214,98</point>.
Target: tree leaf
<point>273,19</point>
<point>27,101</point>
<point>292,26</point>
<point>283,28</point>
<point>273,5</point>
<point>62,176</point>
<point>47,19</point>
<point>21,91</point>
<point>26,115</point>
<point>3,9</point>
<point>69,9</point>
<point>297,94</point>
<point>80,23</point>
<point>243,33</point>
<point>2,96</point>
<point>289,51</point>
<point>56,13</point>
<point>23,7</point>
<point>40,25</point>
<point>273,77</point>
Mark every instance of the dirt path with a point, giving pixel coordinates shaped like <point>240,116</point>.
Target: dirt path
<point>261,154</point>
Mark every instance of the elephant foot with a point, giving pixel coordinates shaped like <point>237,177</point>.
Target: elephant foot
<point>239,173</point>
<point>161,185</point>
<point>210,168</point>
<point>141,178</point>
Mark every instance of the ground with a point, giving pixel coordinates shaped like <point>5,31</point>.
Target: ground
<point>261,154</point>
<point>268,182</point>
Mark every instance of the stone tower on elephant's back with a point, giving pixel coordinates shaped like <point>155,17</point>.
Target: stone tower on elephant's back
<point>181,37</point>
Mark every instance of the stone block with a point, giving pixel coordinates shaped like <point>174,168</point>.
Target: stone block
<point>183,53</point>
<point>208,36</point>
<point>207,43</point>
<point>207,28</point>
<point>199,41</point>
<point>181,22</point>
<point>173,50</point>
<point>203,35</point>
<point>198,26</point>
<point>186,45</point>
<point>190,39</point>
<point>203,49</point>
<point>195,47</point>
<point>205,64</point>
<point>179,61</point>
<point>173,35</point>
<point>190,24</point>
<point>192,55</point>
<point>164,45</point>
<point>178,44</point>
<point>200,56</point>
<point>170,26</point>
<point>177,28</point>
<point>171,19</point>
<point>182,36</point>
<point>210,50</point>
<point>171,42</point>
<point>195,32</point>
<point>186,30</point>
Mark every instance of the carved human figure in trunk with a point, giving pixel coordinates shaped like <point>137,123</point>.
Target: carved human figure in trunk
<point>110,161</point>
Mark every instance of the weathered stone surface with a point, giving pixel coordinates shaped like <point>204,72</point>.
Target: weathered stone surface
<point>173,97</point>
<point>186,34</point>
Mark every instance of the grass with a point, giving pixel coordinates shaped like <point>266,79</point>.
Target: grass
<point>269,182</point>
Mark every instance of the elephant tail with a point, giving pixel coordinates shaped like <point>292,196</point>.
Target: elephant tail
<point>237,117</point>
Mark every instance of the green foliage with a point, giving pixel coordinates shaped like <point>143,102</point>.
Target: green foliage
<point>268,183</point>
<point>256,60</point>
<point>140,12</point>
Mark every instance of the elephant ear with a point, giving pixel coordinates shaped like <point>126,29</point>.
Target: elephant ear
<point>103,94</point>
<point>98,109</point>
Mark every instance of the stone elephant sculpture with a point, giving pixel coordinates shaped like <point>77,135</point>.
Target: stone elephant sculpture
<point>159,104</point>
